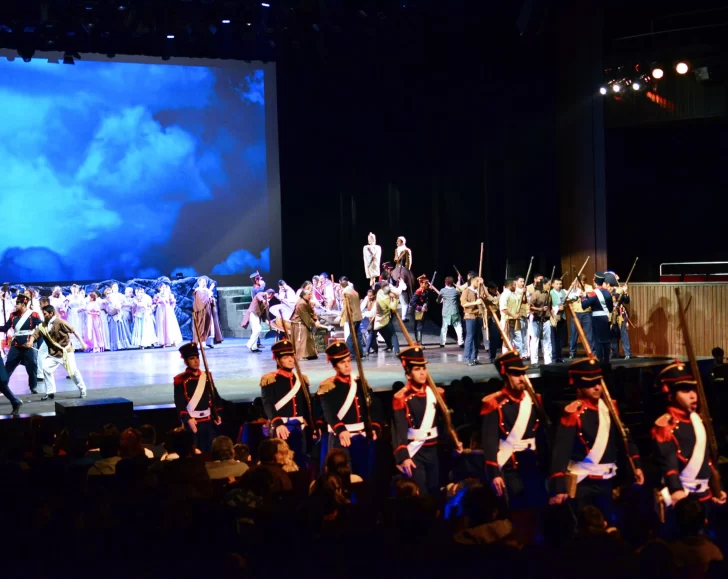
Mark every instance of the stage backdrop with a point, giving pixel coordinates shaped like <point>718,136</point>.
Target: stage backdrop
<point>133,168</point>
<point>653,308</point>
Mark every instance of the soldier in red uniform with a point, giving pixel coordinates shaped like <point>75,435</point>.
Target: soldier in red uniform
<point>682,446</point>
<point>416,421</point>
<point>345,409</point>
<point>511,426</point>
<point>284,401</point>
<point>588,444</point>
<point>196,400</point>
<point>23,322</point>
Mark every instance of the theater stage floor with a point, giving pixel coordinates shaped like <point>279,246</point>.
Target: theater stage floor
<point>145,376</point>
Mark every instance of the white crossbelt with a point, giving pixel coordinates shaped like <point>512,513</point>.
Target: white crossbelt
<point>290,394</point>
<point>585,469</point>
<point>355,429</point>
<point>197,396</point>
<point>689,483</point>
<point>513,442</point>
<point>591,465</point>
<point>600,297</point>
<point>427,430</point>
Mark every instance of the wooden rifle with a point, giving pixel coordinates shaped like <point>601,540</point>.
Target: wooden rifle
<point>623,433</point>
<point>482,296</point>
<point>529,385</point>
<point>305,388</point>
<point>460,276</point>
<point>360,368</point>
<point>505,279</point>
<point>577,278</point>
<point>213,390</point>
<point>704,411</point>
<point>524,299</point>
<point>431,383</point>
<point>549,301</point>
<point>614,316</point>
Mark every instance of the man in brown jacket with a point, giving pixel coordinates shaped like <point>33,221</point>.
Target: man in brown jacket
<point>351,295</point>
<point>57,334</point>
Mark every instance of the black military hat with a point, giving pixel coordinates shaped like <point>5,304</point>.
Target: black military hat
<point>676,376</point>
<point>510,363</point>
<point>585,373</point>
<point>337,352</point>
<point>387,265</point>
<point>414,356</point>
<point>255,274</point>
<point>21,299</point>
<point>422,278</point>
<point>611,279</point>
<point>189,350</point>
<point>283,348</point>
<point>599,277</point>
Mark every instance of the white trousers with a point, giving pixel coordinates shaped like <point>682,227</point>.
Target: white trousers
<point>404,304</point>
<point>510,330</point>
<point>255,328</point>
<point>540,331</point>
<point>49,367</point>
<point>42,353</point>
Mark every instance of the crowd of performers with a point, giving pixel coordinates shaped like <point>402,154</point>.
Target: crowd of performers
<point>533,314</point>
<point>43,332</point>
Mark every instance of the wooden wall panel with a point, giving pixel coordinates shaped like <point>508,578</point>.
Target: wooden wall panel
<point>653,309</point>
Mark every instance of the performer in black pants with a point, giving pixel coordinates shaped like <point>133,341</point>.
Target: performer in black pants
<point>24,322</point>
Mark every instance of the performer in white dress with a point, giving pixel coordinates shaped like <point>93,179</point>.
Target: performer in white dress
<point>372,259</point>
<point>144,334</point>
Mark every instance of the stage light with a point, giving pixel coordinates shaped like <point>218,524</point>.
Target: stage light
<point>226,21</point>
<point>658,73</point>
<point>681,68</point>
<point>602,90</point>
<point>636,86</point>
<point>616,87</point>
<point>265,4</point>
<point>170,36</point>
<point>249,23</point>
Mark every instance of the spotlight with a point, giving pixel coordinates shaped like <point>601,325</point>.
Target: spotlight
<point>602,90</point>
<point>681,67</point>
<point>636,86</point>
<point>265,4</point>
<point>657,73</point>
<point>226,22</point>
<point>616,87</point>
<point>170,36</point>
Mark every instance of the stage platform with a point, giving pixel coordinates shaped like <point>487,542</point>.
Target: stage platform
<point>145,376</point>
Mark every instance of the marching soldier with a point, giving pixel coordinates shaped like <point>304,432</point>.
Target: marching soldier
<point>620,330</point>
<point>682,446</point>
<point>600,302</point>
<point>197,402</point>
<point>284,401</point>
<point>345,409</point>
<point>416,420</point>
<point>510,428</point>
<point>23,321</point>
<point>587,444</point>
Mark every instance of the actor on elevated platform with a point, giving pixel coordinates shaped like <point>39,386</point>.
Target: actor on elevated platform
<point>206,309</point>
<point>23,322</point>
<point>197,402</point>
<point>284,401</point>
<point>416,421</point>
<point>510,429</point>
<point>588,444</point>
<point>372,259</point>
<point>682,445</point>
<point>56,334</point>
<point>600,302</point>
<point>345,410</point>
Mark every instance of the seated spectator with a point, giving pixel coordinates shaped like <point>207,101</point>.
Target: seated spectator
<point>406,488</point>
<point>224,465</point>
<point>109,449</point>
<point>134,461</point>
<point>242,453</point>
<point>168,446</point>
<point>149,440</point>
<point>694,552</point>
<point>272,458</point>
<point>482,518</point>
<point>185,477</point>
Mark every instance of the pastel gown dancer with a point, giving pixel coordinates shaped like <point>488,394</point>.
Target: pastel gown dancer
<point>94,324</point>
<point>119,319</point>
<point>75,304</point>
<point>168,331</point>
<point>59,301</point>
<point>144,335</point>
<point>127,312</point>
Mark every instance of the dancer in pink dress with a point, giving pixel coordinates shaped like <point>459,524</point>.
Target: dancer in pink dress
<point>94,324</point>
<point>168,332</point>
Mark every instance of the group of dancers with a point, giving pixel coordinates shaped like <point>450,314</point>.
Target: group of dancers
<point>106,319</point>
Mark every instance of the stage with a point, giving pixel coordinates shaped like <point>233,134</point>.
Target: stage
<point>145,376</point>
